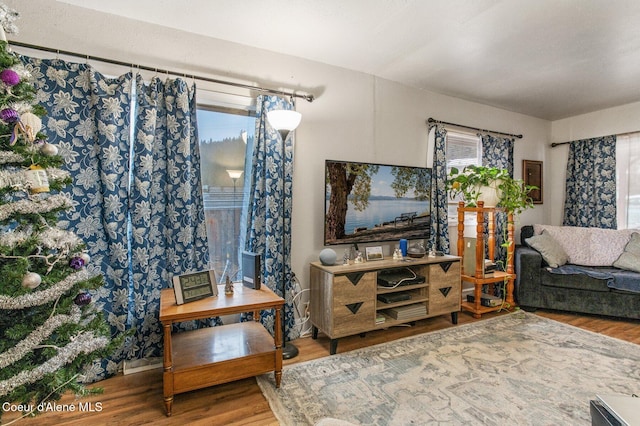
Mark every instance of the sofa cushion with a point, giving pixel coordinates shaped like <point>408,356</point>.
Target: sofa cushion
<point>588,246</point>
<point>630,258</point>
<point>549,248</point>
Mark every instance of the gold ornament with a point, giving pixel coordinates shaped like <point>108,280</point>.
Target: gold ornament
<point>36,179</point>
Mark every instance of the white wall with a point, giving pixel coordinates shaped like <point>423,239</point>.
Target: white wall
<point>611,121</point>
<point>355,117</point>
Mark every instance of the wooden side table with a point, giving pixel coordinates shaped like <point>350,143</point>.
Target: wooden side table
<point>210,356</point>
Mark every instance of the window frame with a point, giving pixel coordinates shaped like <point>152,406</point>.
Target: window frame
<point>463,138</point>
<point>248,110</point>
<point>627,150</point>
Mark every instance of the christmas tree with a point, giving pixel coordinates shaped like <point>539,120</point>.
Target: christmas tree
<point>49,327</point>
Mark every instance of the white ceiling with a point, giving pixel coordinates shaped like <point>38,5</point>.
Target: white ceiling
<point>546,58</point>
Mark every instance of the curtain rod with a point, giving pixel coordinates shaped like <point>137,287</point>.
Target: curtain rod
<point>307,97</point>
<point>433,120</point>
<point>554,144</point>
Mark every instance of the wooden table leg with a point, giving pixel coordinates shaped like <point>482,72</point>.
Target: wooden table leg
<point>168,404</point>
<point>277,338</point>
<point>167,375</point>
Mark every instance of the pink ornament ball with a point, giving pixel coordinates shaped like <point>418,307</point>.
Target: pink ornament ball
<point>9,77</point>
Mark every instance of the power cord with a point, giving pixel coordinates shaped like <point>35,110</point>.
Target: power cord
<point>301,314</point>
<point>414,276</point>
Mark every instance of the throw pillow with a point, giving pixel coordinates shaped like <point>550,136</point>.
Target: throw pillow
<point>630,258</point>
<point>549,248</point>
<point>608,244</point>
<point>574,240</point>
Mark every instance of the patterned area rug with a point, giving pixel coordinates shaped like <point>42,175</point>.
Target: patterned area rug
<point>517,369</point>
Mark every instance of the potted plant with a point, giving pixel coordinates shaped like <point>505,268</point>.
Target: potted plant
<point>476,183</point>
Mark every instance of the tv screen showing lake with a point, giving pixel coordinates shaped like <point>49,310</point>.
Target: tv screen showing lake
<point>382,210</point>
<point>394,202</point>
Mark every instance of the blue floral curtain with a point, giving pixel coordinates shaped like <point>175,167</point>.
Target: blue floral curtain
<point>590,196</point>
<point>88,120</point>
<point>439,237</point>
<point>137,201</point>
<point>268,211</point>
<point>498,152</point>
<point>168,235</point>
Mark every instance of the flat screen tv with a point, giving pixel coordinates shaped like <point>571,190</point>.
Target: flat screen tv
<point>366,202</point>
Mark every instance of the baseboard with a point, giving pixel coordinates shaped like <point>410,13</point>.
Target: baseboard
<point>138,365</point>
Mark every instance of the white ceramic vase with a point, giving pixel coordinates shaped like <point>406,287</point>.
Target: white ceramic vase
<point>490,194</point>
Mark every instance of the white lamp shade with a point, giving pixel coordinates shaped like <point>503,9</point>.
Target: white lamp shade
<point>284,119</point>
<point>235,174</point>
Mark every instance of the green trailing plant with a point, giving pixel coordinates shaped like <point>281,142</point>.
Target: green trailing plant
<point>513,193</point>
<point>513,197</point>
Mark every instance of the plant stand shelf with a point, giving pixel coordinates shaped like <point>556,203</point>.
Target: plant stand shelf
<point>479,279</point>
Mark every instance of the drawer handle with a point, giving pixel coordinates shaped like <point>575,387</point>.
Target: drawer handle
<point>445,291</point>
<point>445,266</point>
<point>355,277</point>
<point>354,307</point>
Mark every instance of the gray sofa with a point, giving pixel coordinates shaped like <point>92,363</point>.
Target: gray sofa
<point>591,289</point>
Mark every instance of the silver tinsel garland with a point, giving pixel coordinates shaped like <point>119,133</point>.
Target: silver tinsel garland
<point>17,178</point>
<point>8,17</point>
<point>52,238</point>
<point>85,342</point>
<point>34,207</point>
<point>37,336</point>
<point>14,238</point>
<point>39,298</point>
<point>9,157</point>
<point>59,239</point>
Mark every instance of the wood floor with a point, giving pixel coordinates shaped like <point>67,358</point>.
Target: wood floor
<point>136,399</point>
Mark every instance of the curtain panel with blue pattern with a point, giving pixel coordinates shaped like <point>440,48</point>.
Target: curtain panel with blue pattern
<point>590,194</point>
<point>439,236</point>
<point>498,152</point>
<point>136,195</point>
<point>268,212</point>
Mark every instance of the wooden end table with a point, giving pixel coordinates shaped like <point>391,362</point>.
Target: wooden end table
<point>210,356</point>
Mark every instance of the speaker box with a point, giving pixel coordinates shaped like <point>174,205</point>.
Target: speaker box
<point>251,270</point>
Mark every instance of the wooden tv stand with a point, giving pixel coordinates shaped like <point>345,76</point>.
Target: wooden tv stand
<point>210,356</point>
<point>345,298</point>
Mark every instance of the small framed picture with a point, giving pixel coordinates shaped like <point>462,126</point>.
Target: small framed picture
<point>195,286</point>
<point>532,175</point>
<point>374,253</point>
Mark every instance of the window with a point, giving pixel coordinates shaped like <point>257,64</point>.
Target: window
<point>226,135</point>
<point>628,180</point>
<point>463,149</point>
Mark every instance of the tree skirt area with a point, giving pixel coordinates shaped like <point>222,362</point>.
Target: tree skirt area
<point>518,369</point>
